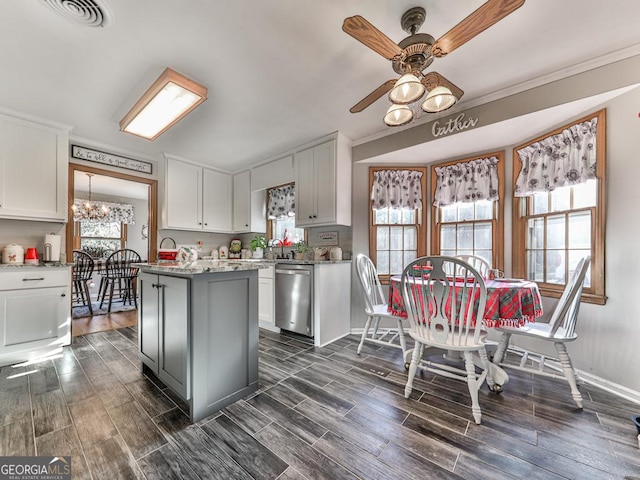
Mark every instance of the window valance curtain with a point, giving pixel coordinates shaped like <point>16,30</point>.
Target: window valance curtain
<point>117,212</point>
<point>568,158</point>
<point>467,182</point>
<point>396,189</point>
<point>282,202</point>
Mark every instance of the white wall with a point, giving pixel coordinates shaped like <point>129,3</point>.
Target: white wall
<point>607,346</point>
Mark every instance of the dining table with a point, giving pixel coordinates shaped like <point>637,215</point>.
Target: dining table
<point>510,302</point>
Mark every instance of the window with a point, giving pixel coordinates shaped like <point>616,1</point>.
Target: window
<point>100,239</point>
<point>461,225</point>
<point>281,215</point>
<point>555,226</point>
<point>396,235</point>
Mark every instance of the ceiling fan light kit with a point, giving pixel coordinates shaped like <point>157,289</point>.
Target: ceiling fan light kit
<point>407,89</point>
<point>415,53</point>
<point>398,115</point>
<point>439,99</point>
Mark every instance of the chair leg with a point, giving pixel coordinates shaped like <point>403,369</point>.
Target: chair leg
<point>102,290</point>
<point>472,384</point>
<point>502,348</point>
<point>485,362</point>
<point>569,372</point>
<point>113,284</point>
<point>364,334</point>
<point>413,368</point>
<point>88,295</point>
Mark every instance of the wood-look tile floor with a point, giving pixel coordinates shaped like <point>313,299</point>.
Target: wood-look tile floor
<point>320,413</point>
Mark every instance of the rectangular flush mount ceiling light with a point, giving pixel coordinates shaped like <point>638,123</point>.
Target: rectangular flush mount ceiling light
<point>169,99</point>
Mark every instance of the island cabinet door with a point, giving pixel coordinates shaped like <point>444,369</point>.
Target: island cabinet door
<point>148,321</point>
<point>174,369</point>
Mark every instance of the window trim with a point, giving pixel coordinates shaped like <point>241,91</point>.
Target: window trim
<point>596,294</point>
<point>498,222</point>
<point>422,216</point>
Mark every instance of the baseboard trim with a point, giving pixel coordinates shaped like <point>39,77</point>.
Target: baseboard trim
<point>611,387</point>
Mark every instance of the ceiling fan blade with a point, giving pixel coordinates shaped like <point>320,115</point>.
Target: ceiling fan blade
<point>364,32</point>
<point>432,80</point>
<point>373,96</point>
<point>485,16</point>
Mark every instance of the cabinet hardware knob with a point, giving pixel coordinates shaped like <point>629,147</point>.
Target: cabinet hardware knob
<point>63,295</point>
<point>206,224</point>
<point>199,223</point>
<point>310,216</point>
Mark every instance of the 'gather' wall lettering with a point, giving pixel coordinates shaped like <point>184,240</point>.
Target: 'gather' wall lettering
<point>453,125</point>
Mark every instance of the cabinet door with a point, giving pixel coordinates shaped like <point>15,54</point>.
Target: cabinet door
<point>33,170</point>
<point>148,320</point>
<point>32,319</point>
<point>305,188</point>
<point>242,202</point>
<point>325,182</point>
<point>217,199</point>
<point>174,333</point>
<point>184,195</point>
<point>266,297</point>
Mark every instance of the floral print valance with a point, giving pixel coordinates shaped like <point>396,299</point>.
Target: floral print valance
<point>396,189</point>
<point>467,182</point>
<point>282,202</point>
<point>568,158</point>
<point>113,212</point>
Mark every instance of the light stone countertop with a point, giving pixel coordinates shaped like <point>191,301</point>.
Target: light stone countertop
<point>25,266</point>
<point>229,265</point>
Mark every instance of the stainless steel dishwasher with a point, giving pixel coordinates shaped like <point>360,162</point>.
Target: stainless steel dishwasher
<point>294,298</point>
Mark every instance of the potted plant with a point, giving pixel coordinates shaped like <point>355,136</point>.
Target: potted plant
<point>258,244</point>
<point>301,249</point>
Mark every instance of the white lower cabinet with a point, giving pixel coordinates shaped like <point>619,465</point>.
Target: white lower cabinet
<point>163,329</point>
<point>35,306</point>
<point>266,298</point>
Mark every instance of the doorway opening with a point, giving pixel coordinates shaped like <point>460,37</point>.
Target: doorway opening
<point>131,224</point>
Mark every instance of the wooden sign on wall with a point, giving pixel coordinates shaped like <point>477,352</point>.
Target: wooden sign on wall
<point>97,156</point>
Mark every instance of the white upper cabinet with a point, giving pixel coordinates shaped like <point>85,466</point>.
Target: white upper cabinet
<point>217,198</point>
<point>34,159</point>
<point>323,183</point>
<point>249,208</point>
<point>197,198</point>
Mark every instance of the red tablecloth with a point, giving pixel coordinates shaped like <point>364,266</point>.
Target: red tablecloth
<point>509,302</point>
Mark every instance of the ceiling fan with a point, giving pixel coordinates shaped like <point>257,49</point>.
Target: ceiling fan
<point>411,56</point>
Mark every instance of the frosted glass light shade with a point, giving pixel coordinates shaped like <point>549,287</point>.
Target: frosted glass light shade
<point>439,99</point>
<point>169,99</point>
<point>407,89</point>
<point>398,115</point>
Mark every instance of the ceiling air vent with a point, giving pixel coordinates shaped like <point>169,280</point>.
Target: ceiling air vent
<point>89,13</point>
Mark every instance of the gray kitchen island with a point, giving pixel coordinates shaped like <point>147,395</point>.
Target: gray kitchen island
<point>198,331</point>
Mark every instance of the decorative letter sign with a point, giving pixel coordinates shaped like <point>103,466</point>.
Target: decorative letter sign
<point>456,124</point>
<point>109,159</point>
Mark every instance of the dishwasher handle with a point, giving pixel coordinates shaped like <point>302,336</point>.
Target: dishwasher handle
<point>294,272</point>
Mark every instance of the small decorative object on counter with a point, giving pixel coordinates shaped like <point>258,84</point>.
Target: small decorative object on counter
<point>335,254</point>
<point>167,253</point>
<point>223,252</point>
<point>214,254</point>
<point>245,253</point>
<point>258,244</point>
<point>320,253</point>
<point>187,255</point>
<point>13,253</point>
<point>31,257</point>
<point>301,250</point>
<point>235,250</point>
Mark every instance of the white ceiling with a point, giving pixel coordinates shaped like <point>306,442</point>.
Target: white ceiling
<point>280,73</point>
